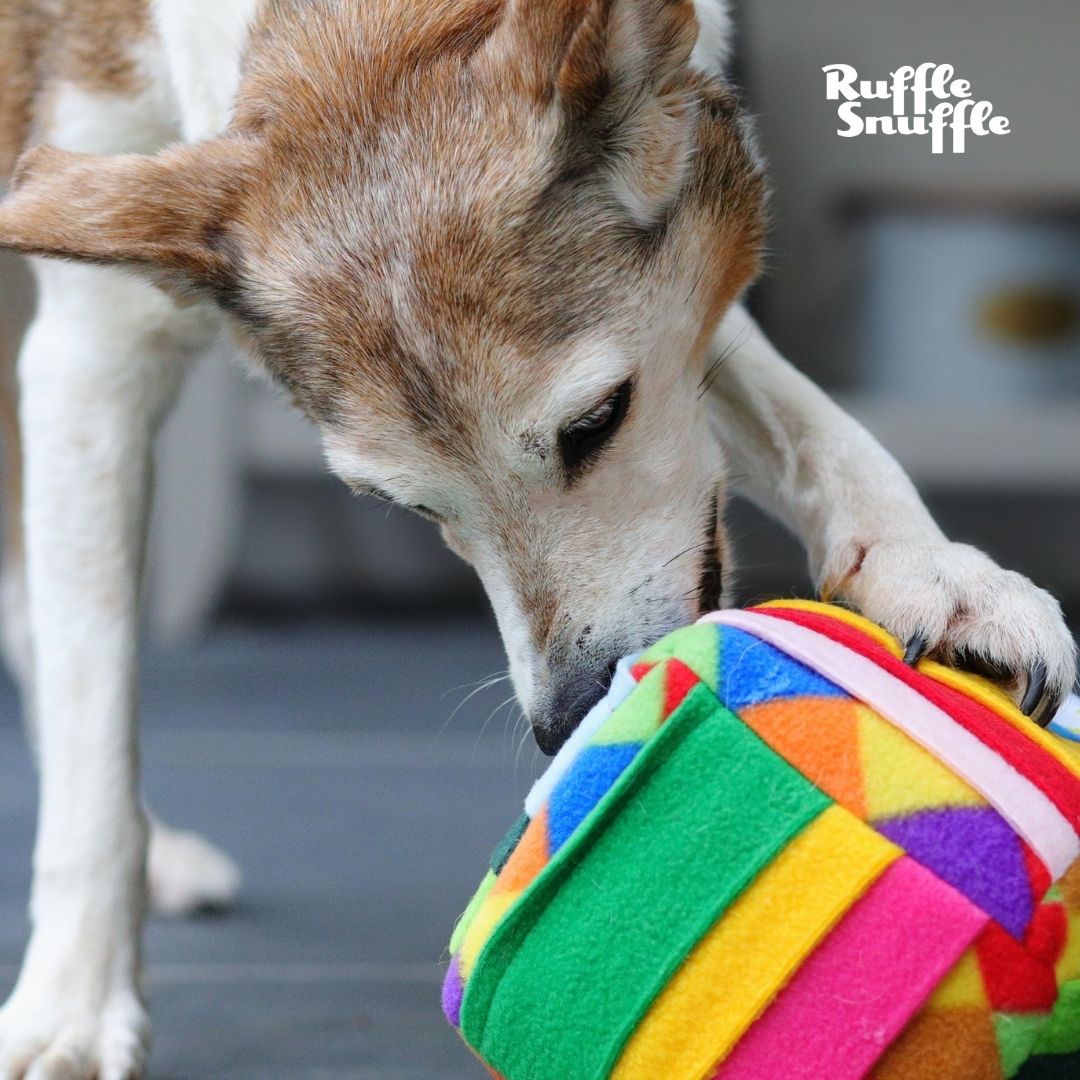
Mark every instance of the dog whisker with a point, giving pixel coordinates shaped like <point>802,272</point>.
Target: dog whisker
<point>521,744</point>
<point>694,288</point>
<point>717,365</point>
<point>485,684</point>
<point>483,681</point>
<point>491,716</point>
<point>685,551</point>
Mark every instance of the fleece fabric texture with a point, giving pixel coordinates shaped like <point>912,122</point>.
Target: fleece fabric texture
<point>777,851</point>
<point>632,898</point>
<point>1032,790</point>
<point>747,957</point>
<point>833,1019</point>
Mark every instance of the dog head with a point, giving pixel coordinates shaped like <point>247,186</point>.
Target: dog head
<point>484,245</point>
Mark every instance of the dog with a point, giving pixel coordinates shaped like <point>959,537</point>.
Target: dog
<point>494,249</point>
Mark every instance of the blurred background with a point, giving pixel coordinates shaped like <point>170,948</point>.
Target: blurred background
<point>318,690</point>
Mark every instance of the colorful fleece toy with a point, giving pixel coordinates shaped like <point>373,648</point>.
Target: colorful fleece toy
<point>776,852</point>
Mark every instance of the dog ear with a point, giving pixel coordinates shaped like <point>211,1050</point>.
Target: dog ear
<point>620,70</point>
<point>165,215</point>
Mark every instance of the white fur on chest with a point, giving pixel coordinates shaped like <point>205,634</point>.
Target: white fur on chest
<point>714,35</point>
<point>204,42</point>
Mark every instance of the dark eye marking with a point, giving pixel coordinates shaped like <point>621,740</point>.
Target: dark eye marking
<point>581,442</point>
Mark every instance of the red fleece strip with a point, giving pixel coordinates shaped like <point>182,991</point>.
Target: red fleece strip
<point>1043,770</point>
<point>1020,978</point>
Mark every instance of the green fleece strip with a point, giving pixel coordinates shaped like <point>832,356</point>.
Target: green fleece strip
<point>1017,1035</point>
<point>570,971</point>
<point>696,646</point>
<point>1062,1032</point>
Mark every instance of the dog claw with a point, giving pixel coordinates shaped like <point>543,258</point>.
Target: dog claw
<point>916,649</point>
<point>1038,703</point>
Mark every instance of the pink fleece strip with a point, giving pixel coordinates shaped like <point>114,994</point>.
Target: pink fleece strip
<point>858,991</point>
<point>1027,809</point>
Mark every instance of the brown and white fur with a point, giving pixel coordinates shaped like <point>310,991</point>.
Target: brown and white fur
<point>449,229</point>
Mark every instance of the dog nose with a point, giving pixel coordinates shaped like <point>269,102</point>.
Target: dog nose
<point>568,706</point>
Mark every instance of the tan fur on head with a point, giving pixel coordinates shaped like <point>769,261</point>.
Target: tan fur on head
<point>452,229</point>
<point>617,69</point>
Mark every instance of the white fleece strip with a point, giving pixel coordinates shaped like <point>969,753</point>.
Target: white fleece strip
<point>622,683</point>
<point>1027,809</point>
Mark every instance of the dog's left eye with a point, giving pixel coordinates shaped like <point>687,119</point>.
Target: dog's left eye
<point>382,496</point>
<point>582,440</point>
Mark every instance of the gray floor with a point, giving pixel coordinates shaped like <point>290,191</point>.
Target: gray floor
<point>332,764</point>
<point>325,760</point>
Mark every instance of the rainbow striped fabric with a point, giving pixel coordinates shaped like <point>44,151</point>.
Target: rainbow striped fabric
<point>776,851</point>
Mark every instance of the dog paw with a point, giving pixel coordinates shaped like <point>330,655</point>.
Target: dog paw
<point>47,1034</point>
<point>187,874</point>
<point>955,604</point>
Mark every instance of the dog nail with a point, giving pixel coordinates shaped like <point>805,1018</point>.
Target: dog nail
<point>1037,702</point>
<point>916,650</point>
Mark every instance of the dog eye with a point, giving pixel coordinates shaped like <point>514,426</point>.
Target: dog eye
<point>377,493</point>
<point>585,438</point>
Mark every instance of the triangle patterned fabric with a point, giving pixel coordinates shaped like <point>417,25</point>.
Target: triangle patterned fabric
<point>776,851</point>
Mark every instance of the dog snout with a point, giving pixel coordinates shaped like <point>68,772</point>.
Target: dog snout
<point>567,707</point>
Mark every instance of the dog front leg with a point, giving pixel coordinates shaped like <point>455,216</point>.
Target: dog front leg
<point>870,539</point>
<point>98,368</point>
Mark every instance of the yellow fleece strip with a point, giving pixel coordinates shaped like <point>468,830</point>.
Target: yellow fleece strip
<point>494,906</point>
<point>740,965</point>
<point>475,904</point>
<point>972,686</point>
